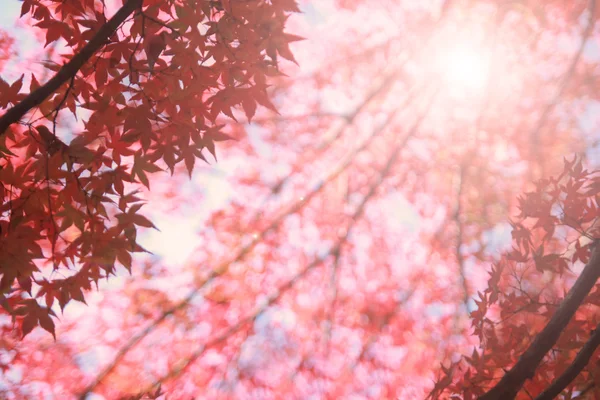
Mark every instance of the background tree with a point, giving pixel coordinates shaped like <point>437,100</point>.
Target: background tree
<point>341,244</point>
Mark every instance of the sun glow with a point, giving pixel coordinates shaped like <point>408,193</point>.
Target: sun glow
<point>463,69</point>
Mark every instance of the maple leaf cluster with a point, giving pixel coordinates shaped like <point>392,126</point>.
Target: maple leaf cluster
<point>70,210</point>
<point>555,235</point>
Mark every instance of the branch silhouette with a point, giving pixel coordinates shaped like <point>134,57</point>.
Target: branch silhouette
<point>514,379</point>
<point>581,360</point>
<point>70,69</point>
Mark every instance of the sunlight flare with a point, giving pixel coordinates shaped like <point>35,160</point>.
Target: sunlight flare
<point>463,68</point>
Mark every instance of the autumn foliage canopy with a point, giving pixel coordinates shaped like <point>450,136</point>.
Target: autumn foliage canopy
<point>264,199</point>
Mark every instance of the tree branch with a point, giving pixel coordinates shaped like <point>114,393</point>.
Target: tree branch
<point>460,260</point>
<point>524,369</point>
<point>70,69</point>
<point>534,135</point>
<point>579,363</point>
<point>293,208</point>
<point>181,366</point>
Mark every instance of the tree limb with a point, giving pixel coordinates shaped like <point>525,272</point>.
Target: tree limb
<point>581,360</point>
<point>524,369</point>
<point>70,69</point>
